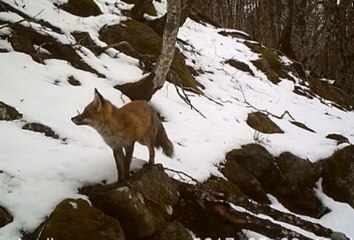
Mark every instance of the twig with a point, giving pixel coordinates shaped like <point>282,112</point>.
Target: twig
<point>180,173</point>
<point>265,111</point>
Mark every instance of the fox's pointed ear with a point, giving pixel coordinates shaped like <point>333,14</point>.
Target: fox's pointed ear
<point>98,100</point>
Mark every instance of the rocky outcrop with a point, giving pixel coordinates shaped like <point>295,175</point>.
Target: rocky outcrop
<point>338,175</point>
<point>143,205</point>
<point>262,123</point>
<point>8,113</point>
<point>76,219</point>
<point>288,177</point>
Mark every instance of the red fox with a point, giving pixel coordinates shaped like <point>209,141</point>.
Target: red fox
<point>121,127</point>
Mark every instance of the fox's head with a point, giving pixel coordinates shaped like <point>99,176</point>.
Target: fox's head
<point>94,113</point>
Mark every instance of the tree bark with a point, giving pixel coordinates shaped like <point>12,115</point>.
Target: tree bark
<point>168,43</point>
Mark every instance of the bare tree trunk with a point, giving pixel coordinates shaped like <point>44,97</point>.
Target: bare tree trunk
<point>168,43</point>
<point>146,87</point>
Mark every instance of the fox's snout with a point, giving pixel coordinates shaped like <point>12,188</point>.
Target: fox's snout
<point>77,120</point>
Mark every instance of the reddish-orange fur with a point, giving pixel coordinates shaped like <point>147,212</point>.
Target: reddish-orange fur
<point>121,127</point>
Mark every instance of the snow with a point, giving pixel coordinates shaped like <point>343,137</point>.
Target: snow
<point>39,172</point>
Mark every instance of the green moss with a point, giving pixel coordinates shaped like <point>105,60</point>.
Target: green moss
<point>147,42</point>
<point>76,219</point>
<point>269,62</point>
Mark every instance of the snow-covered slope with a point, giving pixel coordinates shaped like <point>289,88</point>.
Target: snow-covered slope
<point>41,171</point>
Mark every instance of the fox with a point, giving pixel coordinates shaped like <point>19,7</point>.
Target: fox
<point>122,127</point>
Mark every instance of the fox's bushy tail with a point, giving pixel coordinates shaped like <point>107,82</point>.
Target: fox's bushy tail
<point>163,141</point>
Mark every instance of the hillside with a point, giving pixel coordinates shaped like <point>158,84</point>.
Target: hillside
<point>241,112</point>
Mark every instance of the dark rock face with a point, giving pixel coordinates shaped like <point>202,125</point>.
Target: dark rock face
<point>337,137</point>
<point>82,8</point>
<point>5,217</point>
<point>76,219</point>
<point>288,177</point>
<point>338,175</point>
<point>332,93</point>
<point>240,66</point>
<point>142,206</point>
<point>262,123</point>
<point>8,113</point>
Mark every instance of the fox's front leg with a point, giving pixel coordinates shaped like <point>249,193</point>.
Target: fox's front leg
<point>119,158</point>
<point>128,159</point>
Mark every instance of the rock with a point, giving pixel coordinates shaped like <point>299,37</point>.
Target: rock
<point>38,127</point>
<point>244,180</point>
<point>76,219</point>
<point>143,205</point>
<point>8,113</point>
<point>198,218</point>
<point>240,66</point>
<point>289,178</point>
<point>148,43</point>
<point>337,137</point>
<point>269,63</point>
<point>338,175</point>
<point>173,231</point>
<point>262,123</point>
<point>332,93</point>
<point>73,81</point>
<point>301,125</point>
<point>5,217</point>
<point>296,191</point>
<point>82,8</point>
<point>298,173</point>
<point>255,159</point>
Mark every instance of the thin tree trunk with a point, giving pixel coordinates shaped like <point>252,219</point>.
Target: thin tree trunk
<point>168,44</point>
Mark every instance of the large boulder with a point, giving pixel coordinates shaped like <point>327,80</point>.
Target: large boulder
<point>289,178</point>
<point>338,175</point>
<point>76,219</point>
<point>143,205</point>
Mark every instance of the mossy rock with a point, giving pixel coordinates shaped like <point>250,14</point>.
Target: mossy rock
<point>338,175</point>
<point>147,42</point>
<point>262,123</point>
<point>8,113</point>
<point>5,217</point>
<point>23,40</point>
<point>143,205</point>
<point>173,231</point>
<point>332,93</point>
<point>243,180</point>
<point>150,9</point>
<point>82,8</point>
<point>76,219</point>
<point>269,63</point>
